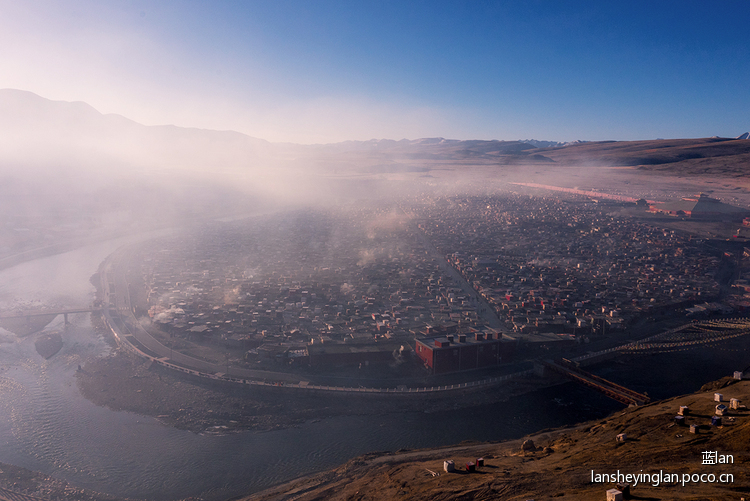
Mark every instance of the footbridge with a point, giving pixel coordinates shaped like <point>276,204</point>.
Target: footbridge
<point>684,337</point>
<point>614,391</point>
<point>29,314</point>
<point>690,336</point>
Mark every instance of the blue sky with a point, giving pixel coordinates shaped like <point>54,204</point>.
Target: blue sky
<point>319,71</point>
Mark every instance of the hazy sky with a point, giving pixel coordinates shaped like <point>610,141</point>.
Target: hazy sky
<point>324,71</point>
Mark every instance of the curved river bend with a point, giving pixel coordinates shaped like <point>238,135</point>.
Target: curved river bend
<point>46,425</point>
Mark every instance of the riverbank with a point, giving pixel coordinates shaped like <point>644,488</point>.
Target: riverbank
<point>564,464</point>
<point>10,260</point>
<point>559,465</point>
<point>124,381</point>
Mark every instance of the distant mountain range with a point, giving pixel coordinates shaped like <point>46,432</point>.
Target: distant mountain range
<point>37,134</point>
<point>549,144</point>
<point>74,136</point>
<point>693,157</point>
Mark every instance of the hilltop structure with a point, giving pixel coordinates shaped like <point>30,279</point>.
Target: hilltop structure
<point>701,206</point>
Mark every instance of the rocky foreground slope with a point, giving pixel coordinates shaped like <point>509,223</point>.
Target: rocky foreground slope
<point>581,463</point>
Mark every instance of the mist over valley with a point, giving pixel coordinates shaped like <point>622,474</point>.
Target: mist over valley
<point>243,286</point>
<point>298,250</point>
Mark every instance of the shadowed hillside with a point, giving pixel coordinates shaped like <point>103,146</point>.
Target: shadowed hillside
<point>707,156</point>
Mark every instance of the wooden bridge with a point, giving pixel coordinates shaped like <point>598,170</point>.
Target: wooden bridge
<point>613,390</point>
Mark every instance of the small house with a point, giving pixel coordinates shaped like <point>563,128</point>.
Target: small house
<point>614,495</point>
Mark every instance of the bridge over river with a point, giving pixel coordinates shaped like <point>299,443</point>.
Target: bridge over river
<point>25,322</point>
<point>43,313</point>
<point>684,337</point>
<point>29,314</point>
<point>615,391</point>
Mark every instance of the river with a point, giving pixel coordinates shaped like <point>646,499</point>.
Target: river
<point>46,425</point>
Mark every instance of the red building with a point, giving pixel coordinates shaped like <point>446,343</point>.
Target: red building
<point>457,353</point>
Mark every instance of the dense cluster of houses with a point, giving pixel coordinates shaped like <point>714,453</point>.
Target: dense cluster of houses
<point>305,288</point>
<point>357,286</point>
<point>553,266</point>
